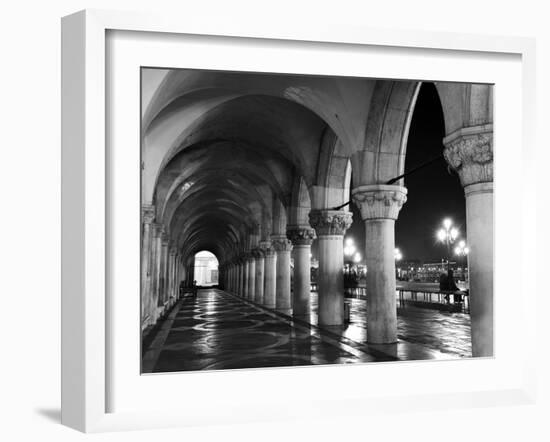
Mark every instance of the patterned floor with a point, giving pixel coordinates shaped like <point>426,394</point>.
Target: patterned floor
<point>217,330</point>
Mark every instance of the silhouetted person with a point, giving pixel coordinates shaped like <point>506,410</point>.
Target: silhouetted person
<point>447,284</point>
<point>195,288</point>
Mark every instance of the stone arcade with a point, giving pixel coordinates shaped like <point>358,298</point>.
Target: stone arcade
<point>252,166</point>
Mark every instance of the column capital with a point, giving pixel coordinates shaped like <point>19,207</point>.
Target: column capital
<point>265,244</point>
<point>267,247</point>
<point>330,222</point>
<point>300,235</point>
<point>258,253</point>
<point>469,151</point>
<point>379,201</point>
<point>281,243</point>
<point>147,213</point>
<point>158,229</point>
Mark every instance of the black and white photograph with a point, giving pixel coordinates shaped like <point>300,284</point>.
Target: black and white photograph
<point>296,220</point>
<point>277,221</point>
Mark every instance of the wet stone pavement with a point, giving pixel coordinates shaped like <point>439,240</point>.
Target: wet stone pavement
<point>217,330</point>
<point>434,331</point>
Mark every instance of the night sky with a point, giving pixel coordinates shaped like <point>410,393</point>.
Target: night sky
<point>433,192</point>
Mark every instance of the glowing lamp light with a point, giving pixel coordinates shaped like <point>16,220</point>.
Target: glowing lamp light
<point>357,257</point>
<point>397,254</point>
<point>349,248</point>
<point>454,233</point>
<point>461,249</point>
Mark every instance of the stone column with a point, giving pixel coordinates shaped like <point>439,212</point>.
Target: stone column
<point>163,295</point>
<point>301,238</point>
<point>246,276</point>
<point>283,247</point>
<point>251,276</point>
<point>240,289</point>
<point>270,275</point>
<point>170,277</point>
<point>185,272</point>
<point>330,226</point>
<point>158,231</point>
<point>380,205</point>
<point>244,280</point>
<point>178,275</point>
<point>170,272</point>
<point>147,216</point>
<point>469,151</point>
<point>259,277</point>
<point>175,288</point>
<point>236,277</point>
<point>234,273</point>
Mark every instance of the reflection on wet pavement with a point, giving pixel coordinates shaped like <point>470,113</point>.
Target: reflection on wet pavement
<point>217,330</point>
<point>438,331</point>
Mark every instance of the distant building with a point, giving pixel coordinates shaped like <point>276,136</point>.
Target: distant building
<point>206,269</point>
<point>406,269</point>
<point>415,270</point>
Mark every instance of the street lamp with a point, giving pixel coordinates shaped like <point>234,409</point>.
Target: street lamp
<point>447,235</point>
<point>349,247</point>
<point>349,251</point>
<point>461,250</point>
<point>357,258</point>
<point>397,256</point>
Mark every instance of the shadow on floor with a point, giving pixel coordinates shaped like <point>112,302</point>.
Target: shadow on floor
<point>51,414</point>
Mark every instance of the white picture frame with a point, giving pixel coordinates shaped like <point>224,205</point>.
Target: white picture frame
<point>86,315</point>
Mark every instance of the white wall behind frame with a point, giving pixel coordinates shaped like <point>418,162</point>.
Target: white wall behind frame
<point>29,381</point>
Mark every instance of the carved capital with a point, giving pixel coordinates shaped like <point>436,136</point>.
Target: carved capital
<point>330,222</point>
<point>281,244</point>
<point>264,245</point>
<point>258,253</point>
<point>147,213</point>
<point>379,201</point>
<point>158,230</point>
<point>300,235</point>
<point>469,151</point>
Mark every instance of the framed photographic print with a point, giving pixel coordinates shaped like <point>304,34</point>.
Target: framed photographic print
<point>249,214</point>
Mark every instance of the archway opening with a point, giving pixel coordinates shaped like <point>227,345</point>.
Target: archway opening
<point>434,195</point>
<point>206,269</point>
